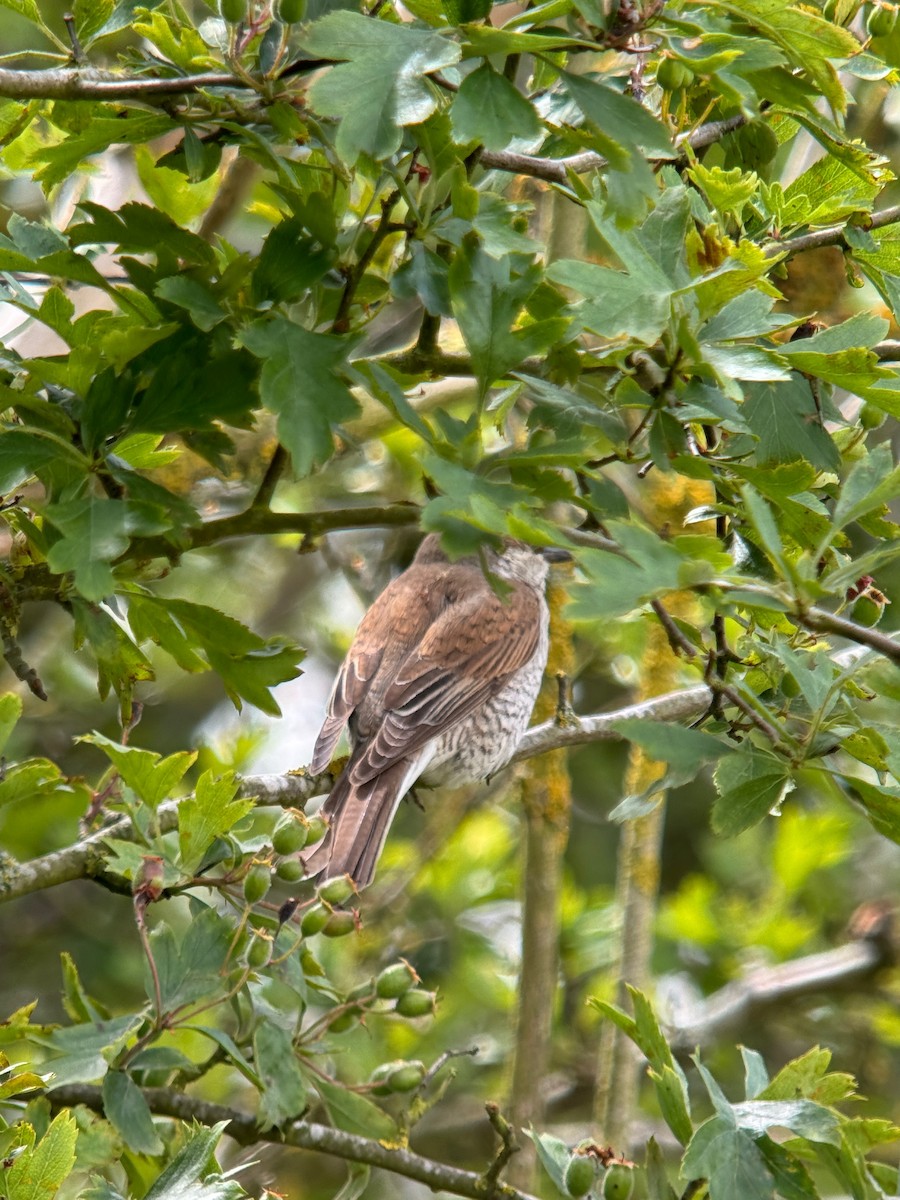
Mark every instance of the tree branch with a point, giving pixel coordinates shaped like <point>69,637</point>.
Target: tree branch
<point>763,988</point>
<point>263,521</point>
<point>304,1135</point>
<point>834,235</point>
<point>84,859</point>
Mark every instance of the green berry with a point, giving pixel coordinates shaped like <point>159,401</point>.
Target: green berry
<point>339,924</point>
<point>868,609</point>
<point>234,11</point>
<point>870,417</point>
<point>672,74</point>
<point>757,144</point>
<point>260,951</point>
<point>395,981</point>
<point>314,920</point>
<point>882,20</point>
<point>315,830</point>
<point>580,1175</point>
<point>618,1182</point>
<point>289,836</point>
<point>406,1077</point>
<point>290,870</point>
<point>256,883</point>
<point>416,1003</point>
<point>289,12</point>
<point>337,891</point>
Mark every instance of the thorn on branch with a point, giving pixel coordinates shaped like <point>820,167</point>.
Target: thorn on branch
<point>565,713</point>
<point>78,54</point>
<point>508,1147</point>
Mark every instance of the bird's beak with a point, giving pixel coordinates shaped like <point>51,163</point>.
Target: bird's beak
<point>555,554</point>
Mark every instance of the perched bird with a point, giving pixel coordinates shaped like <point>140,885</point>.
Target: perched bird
<point>437,686</point>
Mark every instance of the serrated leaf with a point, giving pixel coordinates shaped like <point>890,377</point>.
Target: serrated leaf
<point>208,814</point>
<point>486,299</point>
<point>301,383</point>
<point>151,777</point>
<point>381,85</point>
<point>750,784</point>
<point>187,1178</point>
<point>283,1089</point>
<point>38,1174</point>
<point>81,1053</point>
<point>491,110</point>
<point>25,452</point>
<point>730,1160</point>
<point>782,415</point>
<point>126,1108</point>
<point>192,968</point>
<point>805,1118</point>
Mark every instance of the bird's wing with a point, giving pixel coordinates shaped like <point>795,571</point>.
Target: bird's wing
<point>394,624</point>
<point>468,653</point>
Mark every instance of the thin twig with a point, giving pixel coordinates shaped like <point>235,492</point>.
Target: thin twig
<point>835,235</point>
<point>508,1147</point>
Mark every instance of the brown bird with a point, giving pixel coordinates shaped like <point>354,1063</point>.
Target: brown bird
<point>438,685</point>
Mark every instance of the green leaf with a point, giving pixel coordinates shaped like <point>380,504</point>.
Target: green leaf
<point>783,416</point>
<point>78,1004</point>
<point>872,482</point>
<point>283,1090</point>
<point>120,663</point>
<point>134,126</point>
<point>616,304</point>
<point>750,784</point>
<point>686,750</point>
<point>95,532</point>
<point>81,1053</point>
<point>621,122</point>
<point>25,8</point>
<point>187,1178</point>
<point>10,712</point>
<point>30,779</point>
<point>191,969</point>
<point>730,1160</point>
<point>491,110</point>
<point>486,300</point>
<point>554,1156</point>
<point>202,306</point>
<point>805,1118</point>
<point>153,779</point>
<point>25,452</point>
<point>792,1180</point>
<point>881,804</point>
<point>206,815</point>
<point>354,1112</point>
<point>39,1173</point>
<point>381,86</point>
<point>126,1108</point>
<point>301,383</point>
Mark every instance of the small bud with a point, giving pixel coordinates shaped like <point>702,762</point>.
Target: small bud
<point>345,1020</point>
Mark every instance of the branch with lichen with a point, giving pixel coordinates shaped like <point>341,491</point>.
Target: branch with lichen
<point>304,1135</point>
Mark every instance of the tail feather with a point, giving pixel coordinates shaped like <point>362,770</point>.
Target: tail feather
<point>360,817</point>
